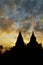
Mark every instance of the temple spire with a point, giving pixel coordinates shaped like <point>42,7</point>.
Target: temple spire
<point>20,42</point>
<point>33,38</point>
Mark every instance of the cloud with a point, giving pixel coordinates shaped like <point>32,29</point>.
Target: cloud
<point>6,24</point>
<point>17,10</point>
<point>39,26</point>
<point>33,6</point>
<point>24,7</point>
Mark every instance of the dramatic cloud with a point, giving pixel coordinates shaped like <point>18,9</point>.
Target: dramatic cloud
<point>5,24</point>
<point>17,10</point>
<point>24,15</point>
<point>39,27</point>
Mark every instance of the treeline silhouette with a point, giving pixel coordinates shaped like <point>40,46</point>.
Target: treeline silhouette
<point>20,54</point>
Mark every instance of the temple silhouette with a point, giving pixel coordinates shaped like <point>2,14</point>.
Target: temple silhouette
<point>33,43</point>
<point>20,42</point>
<point>32,53</point>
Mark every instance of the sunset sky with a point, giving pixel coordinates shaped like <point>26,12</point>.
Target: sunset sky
<point>20,15</point>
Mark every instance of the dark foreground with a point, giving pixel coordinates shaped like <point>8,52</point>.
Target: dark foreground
<point>29,54</point>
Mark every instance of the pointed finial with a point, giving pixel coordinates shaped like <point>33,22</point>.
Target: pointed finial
<point>32,32</point>
<point>33,36</point>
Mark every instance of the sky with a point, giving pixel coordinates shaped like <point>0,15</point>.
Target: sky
<point>20,15</point>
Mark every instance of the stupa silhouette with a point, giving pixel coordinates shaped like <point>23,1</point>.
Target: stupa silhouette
<point>33,42</point>
<point>20,42</point>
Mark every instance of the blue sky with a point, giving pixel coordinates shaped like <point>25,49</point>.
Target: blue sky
<point>18,10</point>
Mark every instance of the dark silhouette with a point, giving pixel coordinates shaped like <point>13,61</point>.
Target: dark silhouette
<point>0,53</point>
<point>33,43</point>
<point>20,42</point>
<point>1,48</point>
<point>35,50</point>
<point>32,53</point>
